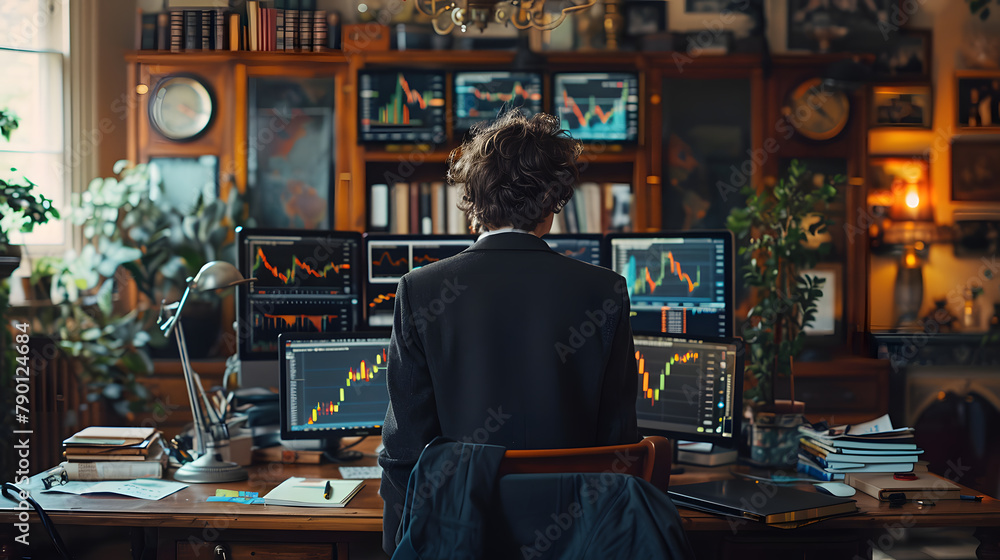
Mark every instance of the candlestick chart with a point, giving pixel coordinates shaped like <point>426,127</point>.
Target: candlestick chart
<point>401,106</point>
<point>338,388</point>
<point>670,271</point>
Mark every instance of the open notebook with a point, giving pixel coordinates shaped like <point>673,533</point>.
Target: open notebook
<point>311,492</point>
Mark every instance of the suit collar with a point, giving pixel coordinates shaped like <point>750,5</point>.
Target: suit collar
<point>510,241</point>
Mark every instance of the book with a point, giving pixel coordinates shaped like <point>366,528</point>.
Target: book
<point>809,468</point>
<point>874,468</point>
<point>278,454</point>
<point>863,448</point>
<point>143,448</point>
<point>927,486</point>
<point>117,470</point>
<point>108,435</point>
<point>862,458</point>
<point>777,504</point>
<point>378,207</point>
<point>879,430</point>
<point>192,30</point>
<point>309,492</point>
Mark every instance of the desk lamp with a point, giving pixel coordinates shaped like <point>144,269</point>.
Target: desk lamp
<point>913,215</point>
<point>211,435</point>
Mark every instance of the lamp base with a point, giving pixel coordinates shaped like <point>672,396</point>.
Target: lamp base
<point>210,468</point>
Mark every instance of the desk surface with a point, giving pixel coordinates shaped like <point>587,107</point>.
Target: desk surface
<point>188,508</point>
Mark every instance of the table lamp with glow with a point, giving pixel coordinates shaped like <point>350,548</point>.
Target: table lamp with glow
<point>913,220</point>
<point>211,434</point>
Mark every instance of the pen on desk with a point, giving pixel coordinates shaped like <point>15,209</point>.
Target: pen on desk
<point>969,498</point>
<point>328,492</point>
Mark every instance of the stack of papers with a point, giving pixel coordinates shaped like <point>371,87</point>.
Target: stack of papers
<point>869,447</point>
<point>313,492</point>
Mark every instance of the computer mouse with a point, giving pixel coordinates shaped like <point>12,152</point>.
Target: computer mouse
<point>838,489</point>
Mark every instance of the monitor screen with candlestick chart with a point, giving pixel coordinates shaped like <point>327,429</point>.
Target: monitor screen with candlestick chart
<point>481,96</point>
<point>398,106</point>
<point>306,282</point>
<point>678,282</point>
<point>690,388</point>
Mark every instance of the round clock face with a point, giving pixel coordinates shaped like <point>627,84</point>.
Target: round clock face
<point>181,108</point>
<point>816,111</point>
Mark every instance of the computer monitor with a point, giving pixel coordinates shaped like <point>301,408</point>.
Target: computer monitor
<point>306,281</point>
<point>389,257</point>
<point>480,96</point>
<point>678,282</point>
<point>582,247</point>
<point>690,388</point>
<point>332,386</point>
<point>598,106</point>
<point>401,106</point>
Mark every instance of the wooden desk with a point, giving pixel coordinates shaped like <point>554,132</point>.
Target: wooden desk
<point>184,525</point>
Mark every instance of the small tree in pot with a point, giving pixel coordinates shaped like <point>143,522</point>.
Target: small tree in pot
<point>776,225</point>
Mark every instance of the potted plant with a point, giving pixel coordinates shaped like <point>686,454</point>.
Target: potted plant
<point>776,226</point>
<point>140,252</point>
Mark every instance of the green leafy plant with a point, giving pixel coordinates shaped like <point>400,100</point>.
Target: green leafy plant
<point>776,226</point>
<point>22,209</point>
<point>136,237</point>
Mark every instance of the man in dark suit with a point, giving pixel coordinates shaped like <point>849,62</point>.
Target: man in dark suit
<point>508,342</point>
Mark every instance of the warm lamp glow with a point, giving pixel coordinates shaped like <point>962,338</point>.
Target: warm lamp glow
<point>912,197</point>
<point>911,260</point>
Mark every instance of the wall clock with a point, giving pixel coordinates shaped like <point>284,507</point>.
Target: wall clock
<point>817,111</point>
<point>181,108</point>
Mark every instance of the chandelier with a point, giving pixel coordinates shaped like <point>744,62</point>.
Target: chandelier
<point>446,15</point>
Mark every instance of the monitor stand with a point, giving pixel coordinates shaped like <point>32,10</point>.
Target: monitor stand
<point>334,454</point>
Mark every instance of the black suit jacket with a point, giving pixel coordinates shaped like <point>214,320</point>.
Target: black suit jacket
<point>507,343</point>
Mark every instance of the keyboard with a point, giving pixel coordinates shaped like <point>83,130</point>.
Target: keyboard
<point>359,473</point>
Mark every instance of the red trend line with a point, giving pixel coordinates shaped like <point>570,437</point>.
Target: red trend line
<point>378,262</point>
<point>381,298</point>
<point>412,93</point>
<point>518,90</point>
<point>580,116</point>
<point>680,275</point>
<point>425,258</point>
<point>289,275</point>
<point>649,280</point>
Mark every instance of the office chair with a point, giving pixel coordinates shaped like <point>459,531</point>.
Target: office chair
<point>649,459</point>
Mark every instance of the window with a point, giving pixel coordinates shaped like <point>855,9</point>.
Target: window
<point>33,53</point>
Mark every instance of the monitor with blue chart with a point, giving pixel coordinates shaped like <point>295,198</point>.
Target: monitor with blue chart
<point>582,247</point>
<point>690,388</point>
<point>481,95</point>
<point>306,281</point>
<point>389,257</point>
<point>598,106</point>
<point>332,386</point>
<point>401,106</point>
<point>678,282</point>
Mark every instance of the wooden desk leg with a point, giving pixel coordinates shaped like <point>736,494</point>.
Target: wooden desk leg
<point>989,543</point>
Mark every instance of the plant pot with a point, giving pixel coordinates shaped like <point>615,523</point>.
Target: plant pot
<point>774,434</point>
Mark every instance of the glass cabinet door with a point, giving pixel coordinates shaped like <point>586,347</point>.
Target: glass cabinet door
<point>290,152</point>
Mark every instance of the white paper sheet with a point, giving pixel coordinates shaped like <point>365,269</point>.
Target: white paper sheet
<point>144,488</point>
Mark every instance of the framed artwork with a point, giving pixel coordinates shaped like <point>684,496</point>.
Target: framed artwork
<point>905,56</point>
<point>644,17</point>
<point>814,25</point>
<point>975,168</point>
<point>978,100</point>
<point>909,106</point>
<point>290,164</point>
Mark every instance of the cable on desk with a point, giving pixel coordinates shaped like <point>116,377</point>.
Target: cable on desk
<point>50,527</point>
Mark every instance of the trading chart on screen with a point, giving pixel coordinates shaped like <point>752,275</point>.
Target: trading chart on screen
<point>598,107</point>
<point>480,96</point>
<point>402,106</point>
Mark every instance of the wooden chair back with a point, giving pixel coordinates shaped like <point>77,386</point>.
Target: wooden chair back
<point>649,459</point>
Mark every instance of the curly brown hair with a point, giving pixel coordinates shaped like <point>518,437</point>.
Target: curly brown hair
<point>515,171</point>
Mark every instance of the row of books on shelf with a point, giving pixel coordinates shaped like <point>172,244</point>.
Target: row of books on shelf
<point>283,25</point>
<point>111,453</point>
<point>432,208</point>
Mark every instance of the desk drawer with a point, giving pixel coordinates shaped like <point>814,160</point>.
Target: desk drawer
<point>255,551</point>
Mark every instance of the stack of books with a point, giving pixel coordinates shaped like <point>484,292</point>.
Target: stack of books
<point>870,447</point>
<point>106,453</point>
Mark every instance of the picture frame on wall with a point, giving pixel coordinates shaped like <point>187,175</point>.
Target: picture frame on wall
<point>975,168</point>
<point>905,56</point>
<point>644,17</point>
<point>706,6</point>
<point>977,97</point>
<point>821,27</point>
<point>903,106</point>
